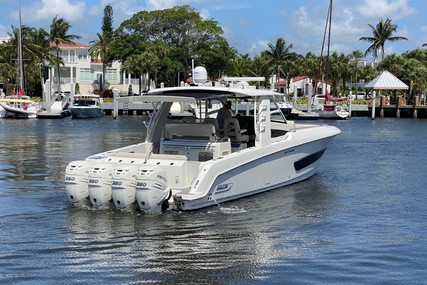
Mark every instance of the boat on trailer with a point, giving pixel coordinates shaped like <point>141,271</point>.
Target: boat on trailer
<point>188,165</point>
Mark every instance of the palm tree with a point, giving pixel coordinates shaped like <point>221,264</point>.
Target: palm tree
<point>59,35</point>
<point>136,64</point>
<point>242,65</point>
<point>279,55</point>
<point>355,57</point>
<point>309,66</point>
<point>382,32</point>
<point>98,50</point>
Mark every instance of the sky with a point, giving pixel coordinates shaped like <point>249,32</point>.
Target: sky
<point>248,25</point>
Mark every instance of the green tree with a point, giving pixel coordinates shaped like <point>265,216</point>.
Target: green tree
<point>107,21</point>
<point>136,64</point>
<point>309,66</point>
<point>181,28</point>
<point>338,72</point>
<point>381,33</point>
<point>35,53</point>
<point>355,57</point>
<point>98,50</point>
<point>99,47</point>
<point>243,65</point>
<point>279,55</point>
<point>59,35</point>
<point>261,68</point>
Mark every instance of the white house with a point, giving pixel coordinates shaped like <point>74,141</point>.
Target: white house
<point>299,85</point>
<point>80,68</point>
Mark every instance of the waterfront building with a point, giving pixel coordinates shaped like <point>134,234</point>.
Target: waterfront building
<point>79,67</point>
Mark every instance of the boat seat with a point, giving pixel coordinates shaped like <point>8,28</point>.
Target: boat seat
<point>214,122</point>
<point>233,131</point>
<point>190,132</point>
<point>138,155</point>
<point>188,120</point>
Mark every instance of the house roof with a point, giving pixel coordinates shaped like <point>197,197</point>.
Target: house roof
<point>298,78</point>
<point>386,80</point>
<point>70,45</point>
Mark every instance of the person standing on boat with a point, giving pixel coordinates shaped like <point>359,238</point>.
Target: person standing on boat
<point>223,114</point>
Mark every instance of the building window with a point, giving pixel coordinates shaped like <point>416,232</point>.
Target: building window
<point>63,54</point>
<point>82,54</point>
<point>111,75</point>
<point>86,75</point>
<point>72,56</point>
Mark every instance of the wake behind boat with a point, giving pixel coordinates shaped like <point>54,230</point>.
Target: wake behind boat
<point>185,165</point>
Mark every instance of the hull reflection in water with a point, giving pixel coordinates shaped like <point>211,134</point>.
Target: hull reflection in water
<point>230,242</point>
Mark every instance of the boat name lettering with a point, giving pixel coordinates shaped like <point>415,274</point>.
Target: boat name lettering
<point>161,177</point>
<point>289,151</point>
<point>224,187</point>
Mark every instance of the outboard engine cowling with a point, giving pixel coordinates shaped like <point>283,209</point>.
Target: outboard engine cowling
<point>99,182</point>
<point>76,178</point>
<point>123,186</point>
<point>152,193</point>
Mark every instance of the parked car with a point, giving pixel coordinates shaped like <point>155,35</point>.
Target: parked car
<point>360,95</point>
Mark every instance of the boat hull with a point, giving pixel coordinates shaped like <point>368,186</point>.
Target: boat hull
<point>86,112</point>
<point>7,111</point>
<point>255,171</point>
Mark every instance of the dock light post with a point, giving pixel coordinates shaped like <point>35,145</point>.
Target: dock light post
<point>374,93</point>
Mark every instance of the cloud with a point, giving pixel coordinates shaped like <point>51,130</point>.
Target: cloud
<point>164,4</point>
<point>46,10</point>
<point>384,8</point>
<point>204,13</point>
<point>258,46</point>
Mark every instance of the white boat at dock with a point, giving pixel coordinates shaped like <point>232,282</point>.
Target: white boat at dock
<point>186,166</point>
<point>86,106</point>
<point>18,107</point>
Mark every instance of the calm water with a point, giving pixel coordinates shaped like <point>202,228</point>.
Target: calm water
<point>361,220</point>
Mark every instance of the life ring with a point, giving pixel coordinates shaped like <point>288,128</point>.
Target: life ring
<point>338,108</point>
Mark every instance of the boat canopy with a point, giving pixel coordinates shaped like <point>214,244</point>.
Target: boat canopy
<point>200,92</point>
<point>15,100</point>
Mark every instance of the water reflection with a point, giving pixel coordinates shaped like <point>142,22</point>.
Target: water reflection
<point>237,240</point>
<point>41,149</point>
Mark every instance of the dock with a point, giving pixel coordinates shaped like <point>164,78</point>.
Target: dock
<point>382,111</point>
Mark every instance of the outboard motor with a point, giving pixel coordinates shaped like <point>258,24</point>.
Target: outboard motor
<point>76,178</point>
<point>123,186</point>
<point>152,193</point>
<point>100,184</point>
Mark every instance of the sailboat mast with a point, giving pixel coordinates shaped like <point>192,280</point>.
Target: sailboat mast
<point>20,61</point>
<point>323,66</point>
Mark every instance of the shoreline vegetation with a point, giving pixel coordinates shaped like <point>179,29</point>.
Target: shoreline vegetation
<point>178,35</point>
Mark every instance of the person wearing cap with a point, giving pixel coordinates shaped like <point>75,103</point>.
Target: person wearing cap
<point>223,114</point>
